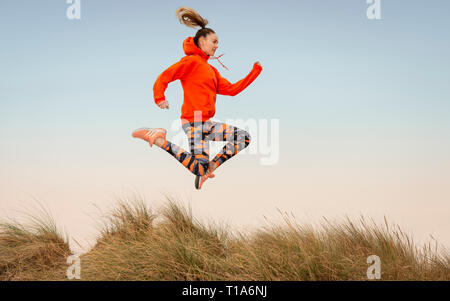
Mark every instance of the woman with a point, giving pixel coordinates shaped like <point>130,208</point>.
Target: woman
<point>201,83</point>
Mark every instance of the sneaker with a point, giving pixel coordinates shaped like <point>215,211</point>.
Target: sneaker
<point>149,135</point>
<point>199,180</point>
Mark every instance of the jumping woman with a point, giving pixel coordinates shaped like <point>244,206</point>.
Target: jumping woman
<point>201,83</point>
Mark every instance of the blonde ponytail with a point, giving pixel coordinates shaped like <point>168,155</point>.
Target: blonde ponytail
<point>190,17</point>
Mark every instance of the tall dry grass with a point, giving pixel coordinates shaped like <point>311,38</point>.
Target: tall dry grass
<point>34,250</point>
<point>137,242</point>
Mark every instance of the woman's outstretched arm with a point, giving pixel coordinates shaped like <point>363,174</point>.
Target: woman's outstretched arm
<point>224,87</point>
<point>174,72</point>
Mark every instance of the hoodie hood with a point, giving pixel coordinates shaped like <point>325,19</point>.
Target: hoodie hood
<point>190,48</point>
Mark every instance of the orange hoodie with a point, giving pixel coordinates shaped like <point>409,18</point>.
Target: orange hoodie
<point>201,82</point>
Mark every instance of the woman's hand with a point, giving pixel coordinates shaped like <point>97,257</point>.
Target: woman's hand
<point>258,63</point>
<point>163,104</point>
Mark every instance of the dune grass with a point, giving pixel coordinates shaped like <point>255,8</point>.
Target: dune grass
<point>138,243</point>
<point>35,250</point>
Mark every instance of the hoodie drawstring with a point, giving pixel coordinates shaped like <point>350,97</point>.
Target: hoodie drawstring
<point>217,58</point>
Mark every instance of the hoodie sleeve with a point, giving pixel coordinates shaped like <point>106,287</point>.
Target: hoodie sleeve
<point>224,87</point>
<point>173,73</point>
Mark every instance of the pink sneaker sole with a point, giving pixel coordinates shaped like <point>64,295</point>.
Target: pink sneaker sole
<point>149,134</point>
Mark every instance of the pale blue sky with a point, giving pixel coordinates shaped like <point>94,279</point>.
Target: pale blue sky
<point>324,62</point>
<point>349,93</point>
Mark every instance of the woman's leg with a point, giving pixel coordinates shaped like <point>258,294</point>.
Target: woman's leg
<point>198,160</point>
<point>238,140</point>
<point>197,134</point>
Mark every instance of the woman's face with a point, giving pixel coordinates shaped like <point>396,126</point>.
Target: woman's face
<point>209,44</point>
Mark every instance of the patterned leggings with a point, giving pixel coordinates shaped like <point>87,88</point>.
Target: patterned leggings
<point>199,134</point>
